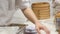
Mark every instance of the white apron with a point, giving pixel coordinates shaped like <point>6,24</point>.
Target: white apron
<point>7,9</point>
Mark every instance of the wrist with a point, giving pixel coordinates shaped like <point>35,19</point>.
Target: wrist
<point>36,22</point>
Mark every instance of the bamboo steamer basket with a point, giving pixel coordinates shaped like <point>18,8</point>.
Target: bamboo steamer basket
<point>41,10</point>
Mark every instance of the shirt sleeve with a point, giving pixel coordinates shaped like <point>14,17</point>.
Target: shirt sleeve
<point>24,4</point>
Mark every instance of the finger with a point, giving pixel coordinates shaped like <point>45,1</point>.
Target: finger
<point>46,30</point>
<point>38,30</point>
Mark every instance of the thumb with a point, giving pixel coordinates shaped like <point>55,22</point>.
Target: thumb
<point>46,30</point>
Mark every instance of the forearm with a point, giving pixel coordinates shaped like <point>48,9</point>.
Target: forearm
<point>30,15</point>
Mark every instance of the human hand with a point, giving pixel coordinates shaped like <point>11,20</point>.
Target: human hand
<point>41,27</point>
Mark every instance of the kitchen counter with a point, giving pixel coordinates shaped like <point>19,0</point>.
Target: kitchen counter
<point>49,23</point>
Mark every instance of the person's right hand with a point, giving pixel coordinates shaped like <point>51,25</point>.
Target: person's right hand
<point>41,27</point>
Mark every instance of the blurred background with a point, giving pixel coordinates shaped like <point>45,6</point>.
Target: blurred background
<point>44,11</point>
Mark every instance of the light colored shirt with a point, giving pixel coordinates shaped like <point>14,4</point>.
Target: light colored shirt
<point>57,5</point>
<point>8,8</point>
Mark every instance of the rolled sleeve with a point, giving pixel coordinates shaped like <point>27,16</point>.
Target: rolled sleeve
<point>24,4</point>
